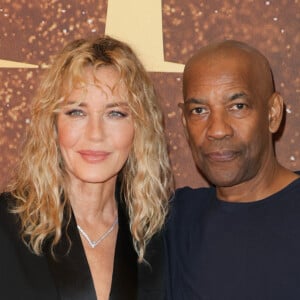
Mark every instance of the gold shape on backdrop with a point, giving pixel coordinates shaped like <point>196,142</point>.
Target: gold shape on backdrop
<point>15,64</point>
<point>139,23</point>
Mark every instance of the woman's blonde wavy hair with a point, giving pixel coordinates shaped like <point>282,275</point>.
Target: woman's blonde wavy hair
<point>42,202</point>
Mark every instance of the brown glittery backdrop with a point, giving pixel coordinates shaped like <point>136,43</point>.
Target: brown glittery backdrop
<point>32,31</point>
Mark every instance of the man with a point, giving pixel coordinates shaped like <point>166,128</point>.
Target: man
<point>240,239</point>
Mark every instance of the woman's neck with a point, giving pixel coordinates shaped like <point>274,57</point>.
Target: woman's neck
<point>92,202</point>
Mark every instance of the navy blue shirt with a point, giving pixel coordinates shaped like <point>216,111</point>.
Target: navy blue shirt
<point>234,251</point>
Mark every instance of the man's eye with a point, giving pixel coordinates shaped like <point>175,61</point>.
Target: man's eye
<point>75,113</point>
<point>239,106</point>
<point>198,110</point>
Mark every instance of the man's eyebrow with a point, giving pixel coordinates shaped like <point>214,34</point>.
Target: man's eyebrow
<point>238,95</point>
<point>232,97</point>
<point>193,101</point>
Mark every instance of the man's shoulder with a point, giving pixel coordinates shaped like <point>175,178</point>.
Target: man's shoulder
<point>187,198</point>
<point>291,191</point>
<point>192,194</point>
<point>187,207</point>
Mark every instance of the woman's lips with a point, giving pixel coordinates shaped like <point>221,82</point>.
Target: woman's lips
<point>93,156</point>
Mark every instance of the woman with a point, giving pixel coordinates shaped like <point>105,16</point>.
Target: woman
<point>93,183</point>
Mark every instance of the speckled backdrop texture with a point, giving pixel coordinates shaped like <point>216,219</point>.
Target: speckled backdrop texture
<point>33,31</point>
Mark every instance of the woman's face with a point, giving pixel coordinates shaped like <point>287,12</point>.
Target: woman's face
<point>95,128</point>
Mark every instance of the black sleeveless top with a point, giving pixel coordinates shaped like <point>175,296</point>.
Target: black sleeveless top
<point>26,276</point>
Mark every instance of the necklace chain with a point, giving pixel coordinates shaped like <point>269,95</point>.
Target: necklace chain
<point>93,244</point>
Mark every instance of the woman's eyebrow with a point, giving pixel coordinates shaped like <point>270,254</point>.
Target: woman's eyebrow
<point>115,104</point>
<point>85,104</point>
<point>74,102</point>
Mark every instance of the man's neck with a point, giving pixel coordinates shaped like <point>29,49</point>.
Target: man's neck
<point>259,187</point>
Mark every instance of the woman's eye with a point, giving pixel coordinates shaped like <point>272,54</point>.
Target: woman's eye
<point>117,114</point>
<point>75,113</point>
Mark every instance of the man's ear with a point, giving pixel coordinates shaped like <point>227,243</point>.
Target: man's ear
<point>276,107</point>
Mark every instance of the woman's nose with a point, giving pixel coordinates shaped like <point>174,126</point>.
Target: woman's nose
<point>96,128</point>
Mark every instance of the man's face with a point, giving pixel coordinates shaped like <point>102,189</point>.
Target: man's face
<point>226,120</point>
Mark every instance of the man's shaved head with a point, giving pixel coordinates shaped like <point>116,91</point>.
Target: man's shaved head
<point>258,64</point>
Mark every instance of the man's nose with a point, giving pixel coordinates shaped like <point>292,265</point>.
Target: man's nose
<point>219,126</point>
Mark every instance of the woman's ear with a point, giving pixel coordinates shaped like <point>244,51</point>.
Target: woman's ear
<point>276,107</point>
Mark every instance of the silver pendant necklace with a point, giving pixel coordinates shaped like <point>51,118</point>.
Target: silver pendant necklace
<point>93,244</point>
